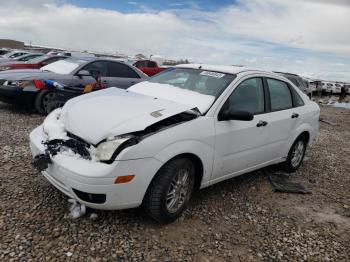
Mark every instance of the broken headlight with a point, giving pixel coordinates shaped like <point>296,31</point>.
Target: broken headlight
<point>108,150</point>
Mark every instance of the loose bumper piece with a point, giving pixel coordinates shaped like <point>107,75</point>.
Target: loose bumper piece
<point>41,162</point>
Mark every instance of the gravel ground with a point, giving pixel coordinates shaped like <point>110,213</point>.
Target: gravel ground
<point>241,219</point>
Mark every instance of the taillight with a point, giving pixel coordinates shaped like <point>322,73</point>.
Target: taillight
<point>39,84</point>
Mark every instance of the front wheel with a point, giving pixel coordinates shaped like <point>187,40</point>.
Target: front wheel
<point>170,190</point>
<point>296,155</point>
<point>43,101</point>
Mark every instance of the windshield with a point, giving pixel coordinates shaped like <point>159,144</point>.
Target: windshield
<point>196,87</point>
<point>197,80</point>
<point>64,67</point>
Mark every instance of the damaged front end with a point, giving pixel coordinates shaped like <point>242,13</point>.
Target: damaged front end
<point>55,146</point>
<point>59,141</point>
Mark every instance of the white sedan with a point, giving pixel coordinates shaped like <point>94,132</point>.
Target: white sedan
<point>184,129</point>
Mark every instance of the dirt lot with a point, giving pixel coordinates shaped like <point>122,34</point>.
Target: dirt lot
<point>238,220</point>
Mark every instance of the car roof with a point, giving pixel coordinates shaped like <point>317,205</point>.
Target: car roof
<point>221,68</point>
<point>286,73</point>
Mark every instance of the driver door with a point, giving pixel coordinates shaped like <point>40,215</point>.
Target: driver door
<point>242,145</point>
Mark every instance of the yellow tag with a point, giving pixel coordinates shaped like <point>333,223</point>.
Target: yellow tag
<point>88,88</point>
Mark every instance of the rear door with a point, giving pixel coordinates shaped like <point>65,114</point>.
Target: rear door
<point>121,75</point>
<point>284,116</point>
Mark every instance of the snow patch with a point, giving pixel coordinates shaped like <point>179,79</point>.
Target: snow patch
<point>93,216</point>
<point>53,126</point>
<point>175,94</point>
<point>341,105</point>
<point>77,209</point>
<point>61,67</point>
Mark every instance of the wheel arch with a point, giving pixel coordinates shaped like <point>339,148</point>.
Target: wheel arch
<point>306,135</point>
<point>198,164</point>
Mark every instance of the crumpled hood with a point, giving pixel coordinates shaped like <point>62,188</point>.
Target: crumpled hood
<point>179,95</point>
<point>26,74</point>
<point>113,111</point>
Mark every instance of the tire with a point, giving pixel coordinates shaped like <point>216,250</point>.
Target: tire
<point>42,101</point>
<point>295,155</point>
<point>158,203</point>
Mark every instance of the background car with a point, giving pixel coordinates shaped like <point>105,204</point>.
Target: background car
<point>149,67</point>
<point>27,87</point>
<point>337,87</point>
<point>81,55</point>
<point>22,58</point>
<point>4,51</point>
<point>34,63</point>
<point>183,129</point>
<point>298,81</point>
<point>13,54</point>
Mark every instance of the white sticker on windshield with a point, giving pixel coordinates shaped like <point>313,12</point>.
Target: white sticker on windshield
<point>212,74</point>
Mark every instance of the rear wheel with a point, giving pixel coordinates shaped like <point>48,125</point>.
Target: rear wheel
<point>170,191</point>
<point>296,155</point>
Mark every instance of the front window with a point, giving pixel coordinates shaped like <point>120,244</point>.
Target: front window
<point>99,68</point>
<point>247,96</point>
<point>66,66</point>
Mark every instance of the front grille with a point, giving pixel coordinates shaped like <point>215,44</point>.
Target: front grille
<point>77,146</point>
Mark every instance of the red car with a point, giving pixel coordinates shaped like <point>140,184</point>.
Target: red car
<point>35,63</point>
<point>149,67</point>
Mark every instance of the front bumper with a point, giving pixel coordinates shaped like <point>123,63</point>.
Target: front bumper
<point>71,175</point>
<point>16,95</point>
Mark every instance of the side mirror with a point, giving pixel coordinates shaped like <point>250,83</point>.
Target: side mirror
<point>83,73</point>
<point>236,115</point>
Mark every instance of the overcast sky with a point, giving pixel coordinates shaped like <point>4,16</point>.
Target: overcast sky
<point>308,37</point>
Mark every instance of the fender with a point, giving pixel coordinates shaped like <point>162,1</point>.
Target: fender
<point>302,128</point>
<point>203,151</point>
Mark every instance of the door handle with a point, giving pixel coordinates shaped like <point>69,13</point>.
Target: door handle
<point>261,123</point>
<point>295,115</point>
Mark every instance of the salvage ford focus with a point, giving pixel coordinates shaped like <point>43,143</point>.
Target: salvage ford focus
<point>187,128</point>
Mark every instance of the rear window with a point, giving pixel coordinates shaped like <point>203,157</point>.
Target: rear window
<point>121,70</point>
<point>280,95</point>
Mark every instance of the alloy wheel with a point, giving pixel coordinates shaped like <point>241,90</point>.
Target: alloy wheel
<point>178,191</point>
<point>298,153</point>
